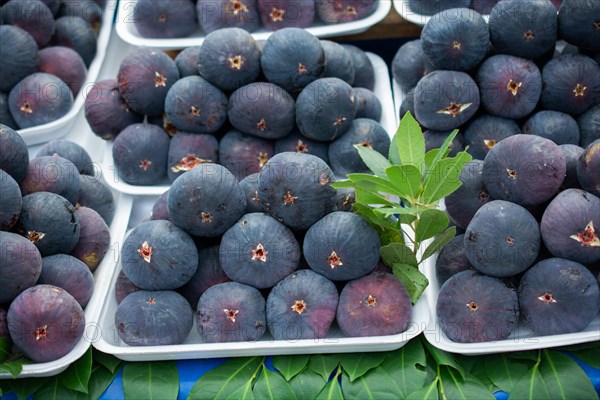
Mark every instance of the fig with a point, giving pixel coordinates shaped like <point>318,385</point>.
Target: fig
<point>45,322</point>
<point>374,305</point>
<point>231,312</point>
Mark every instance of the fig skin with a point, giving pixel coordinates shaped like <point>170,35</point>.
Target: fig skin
<point>588,167</point>
<point>94,238</point>
<point>10,207</point>
<point>231,312</point>
<point>106,111</point>
<point>570,224</point>
<point>38,99</point>
<point>19,56</point>
<point>474,308</point>
<point>45,322</point>
<point>524,169</point>
<point>165,19</point>
<point>70,274</point>
<point>558,296</point>
<point>374,305</point>
<point>21,265</point>
<point>154,318</point>
<point>301,306</point>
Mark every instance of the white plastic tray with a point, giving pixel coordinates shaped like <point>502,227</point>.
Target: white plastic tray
<point>102,277</point>
<point>193,348</point>
<point>127,31</point>
<point>61,127</point>
<point>402,8</point>
<point>520,339</point>
<point>382,90</point>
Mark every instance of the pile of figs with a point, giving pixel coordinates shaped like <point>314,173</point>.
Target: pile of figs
<point>47,48</point>
<point>237,102</point>
<point>54,233</point>
<point>524,91</point>
<point>169,19</point>
<point>250,236</point>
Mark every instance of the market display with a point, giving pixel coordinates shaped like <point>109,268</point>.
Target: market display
<point>272,156</point>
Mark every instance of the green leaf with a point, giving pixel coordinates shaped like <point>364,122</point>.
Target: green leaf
<point>357,364</point>
<point>108,361</point>
<point>455,387</point>
<point>271,385</point>
<point>100,380</point>
<point>151,380</point>
<point>503,371</point>
<point>531,386</point>
<point>332,390</point>
<point>370,215</point>
<point>398,210</point>
<point>244,392</point>
<point>469,363</point>
<point>24,387</point>
<point>590,357</point>
<point>5,348</point>
<point>429,392</point>
<point>444,149</point>
<point>77,375</point>
<point>389,236</point>
<point>407,366</point>
<point>413,280</point>
<point>432,155</point>
<point>307,385</point>
<point>430,223</point>
<point>580,346</point>
<point>410,141</point>
<point>362,196</point>
<point>14,367</point>
<point>375,385</point>
<point>343,184</point>
<point>376,162</point>
<point>564,377</point>
<point>526,355</point>
<point>290,366</point>
<point>222,381</point>
<point>373,183</point>
<point>397,253</point>
<point>438,243</point>
<point>479,373</point>
<point>442,179</point>
<point>443,358</point>
<point>54,390</point>
<point>323,365</point>
<point>393,154</point>
<point>407,178</point>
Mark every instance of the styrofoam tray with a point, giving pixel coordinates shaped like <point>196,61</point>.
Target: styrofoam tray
<point>382,90</point>
<point>402,8</point>
<point>126,29</point>
<point>522,338</point>
<point>192,347</point>
<point>102,277</point>
<point>61,127</point>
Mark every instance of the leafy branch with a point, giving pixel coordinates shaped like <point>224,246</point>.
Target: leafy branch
<point>401,198</point>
